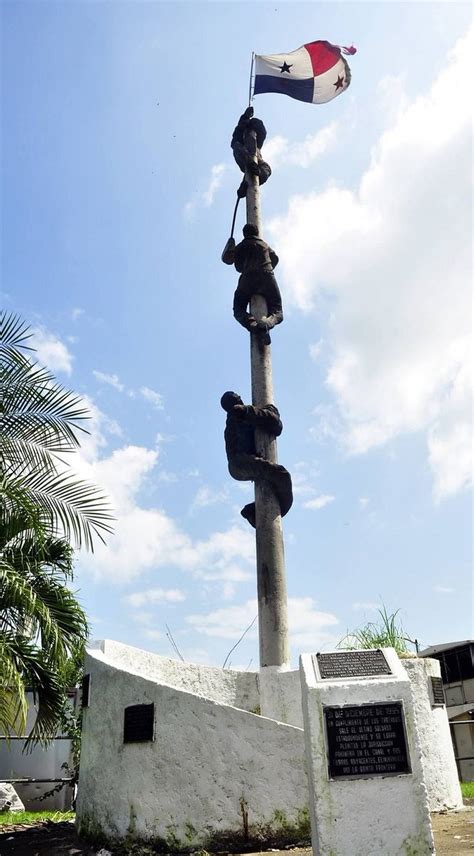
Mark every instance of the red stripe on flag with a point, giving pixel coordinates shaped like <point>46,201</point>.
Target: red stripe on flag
<point>323,55</point>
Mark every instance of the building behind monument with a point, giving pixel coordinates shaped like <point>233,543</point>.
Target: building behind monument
<point>457,672</point>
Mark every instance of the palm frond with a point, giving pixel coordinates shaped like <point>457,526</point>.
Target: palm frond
<point>19,654</point>
<point>13,703</point>
<point>38,408</point>
<point>26,553</point>
<point>76,509</point>
<point>19,512</point>
<point>25,455</point>
<point>13,334</point>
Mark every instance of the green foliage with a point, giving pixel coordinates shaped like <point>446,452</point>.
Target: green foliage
<point>42,508</point>
<point>467,789</point>
<point>386,633</point>
<point>41,625</point>
<point>24,817</point>
<point>39,424</point>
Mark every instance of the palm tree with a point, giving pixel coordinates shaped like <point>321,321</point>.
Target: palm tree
<point>41,624</point>
<point>39,423</point>
<point>43,507</point>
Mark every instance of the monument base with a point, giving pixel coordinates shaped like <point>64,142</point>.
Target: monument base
<point>176,756</point>
<point>367,794</point>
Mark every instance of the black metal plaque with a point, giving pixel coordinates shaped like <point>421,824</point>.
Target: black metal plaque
<point>367,740</point>
<point>138,723</point>
<point>353,664</point>
<point>438,692</point>
<point>86,689</point>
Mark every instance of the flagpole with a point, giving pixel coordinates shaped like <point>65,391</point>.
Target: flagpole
<point>250,79</point>
<point>271,578</point>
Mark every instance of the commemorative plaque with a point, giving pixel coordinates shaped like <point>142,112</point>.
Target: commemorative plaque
<point>353,664</point>
<point>366,740</point>
<point>437,692</point>
<point>138,723</point>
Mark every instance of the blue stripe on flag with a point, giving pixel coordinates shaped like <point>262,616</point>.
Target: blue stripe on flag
<point>302,90</point>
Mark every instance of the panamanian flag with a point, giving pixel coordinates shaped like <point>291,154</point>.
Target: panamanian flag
<point>316,72</point>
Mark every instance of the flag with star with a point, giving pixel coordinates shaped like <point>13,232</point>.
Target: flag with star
<point>316,72</point>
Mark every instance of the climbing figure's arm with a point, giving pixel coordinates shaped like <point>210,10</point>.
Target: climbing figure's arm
<point>267,418</point>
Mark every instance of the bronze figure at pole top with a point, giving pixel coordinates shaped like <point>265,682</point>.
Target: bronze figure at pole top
<point>247,140</point>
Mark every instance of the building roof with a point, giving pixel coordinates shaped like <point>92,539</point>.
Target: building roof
<point>445,646</point>
<point>459,710</point>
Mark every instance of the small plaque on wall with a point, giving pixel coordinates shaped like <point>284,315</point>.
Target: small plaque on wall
<point>437,692</point>
<point>139,723</point>
<point>366,740</point>
<point>352,664</point>
<point>86,689</point>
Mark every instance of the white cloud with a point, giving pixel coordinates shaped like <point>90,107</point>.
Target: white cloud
<point>141,616</point>
<point>215,182</point>
<point>278,150</point>
<point>155,595</point>
<point>307,625</point>
<point>207,495</point>
<point>76,313</point>
<point>167,477</point>
<point>147,538</point>
<point>391,98</point>
<point>305,473</point>
<point>110,379</point>
<point>228,577</point>
<point>153,634</point>
<point>443,590</point>
<point>363,501</point>
<point>51,351</point>
<point>226,623</point>
<point>365,605</point>
<point>319,501</point>
<point>315,350</point>
<point>394,259</point>
<point>206,197</point>
<point>155,398</point>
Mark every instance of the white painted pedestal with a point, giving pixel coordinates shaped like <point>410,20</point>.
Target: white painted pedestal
<point>376,815</point>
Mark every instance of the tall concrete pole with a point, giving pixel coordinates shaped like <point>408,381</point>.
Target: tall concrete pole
<point>271,582</point>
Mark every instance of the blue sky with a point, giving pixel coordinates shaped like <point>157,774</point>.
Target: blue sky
<point>117,198</point>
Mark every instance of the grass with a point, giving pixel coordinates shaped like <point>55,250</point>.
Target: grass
<point>386,633</point>
<point>467,789</point>
<point>34,816</point>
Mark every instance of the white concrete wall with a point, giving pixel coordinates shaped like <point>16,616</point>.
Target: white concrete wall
<point>210,764</point>
<point>437,756</point>
<point>239,689</point>
<point>370,816</point>
<point>280,695</point>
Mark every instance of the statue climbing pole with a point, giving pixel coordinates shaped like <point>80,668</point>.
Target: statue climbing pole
<point>271,579</point>
<point>271,582</point>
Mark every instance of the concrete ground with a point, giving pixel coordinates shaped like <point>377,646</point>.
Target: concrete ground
<point>453,832</point>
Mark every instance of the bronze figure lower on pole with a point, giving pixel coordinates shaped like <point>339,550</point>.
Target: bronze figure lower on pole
<point>251,430</point>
